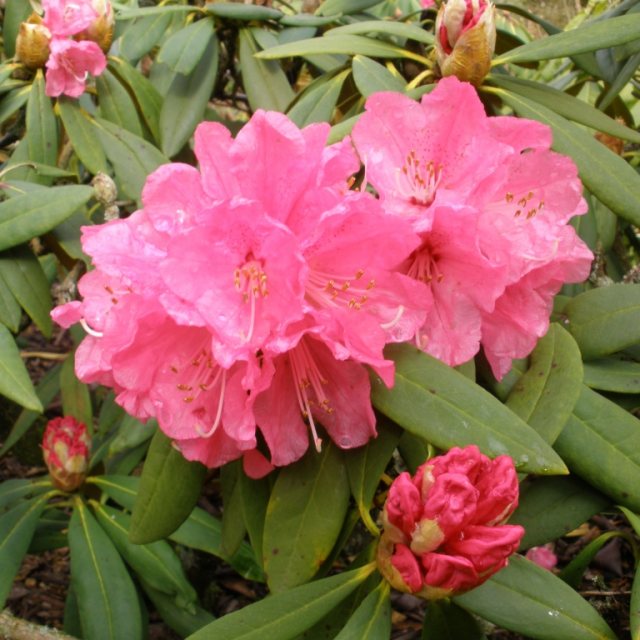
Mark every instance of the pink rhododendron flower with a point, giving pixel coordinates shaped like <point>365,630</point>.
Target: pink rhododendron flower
<point>491,203</point>
<point>443,528</point>
<point>543,557</point>
<point>68,17</point>
<point>68,65</point>
<point>246,297</point>
<point>66,446</point>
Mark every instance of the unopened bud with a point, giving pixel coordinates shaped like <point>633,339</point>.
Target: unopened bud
<point>100,30</point>
<point>65,447</point>
<point>465,39</point>
<point>32,43</point>
<point>104,189</point>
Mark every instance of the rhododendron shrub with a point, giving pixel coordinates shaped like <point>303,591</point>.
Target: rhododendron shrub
<point>247,297</point>
<point>443,528</point>
<point>491,203</point>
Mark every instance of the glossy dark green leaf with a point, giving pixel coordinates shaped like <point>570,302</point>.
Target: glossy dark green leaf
<point>604,320</point>
<point>157,563</point>
<point>42,126</point>
<point>15,12</point>
<point>610,178</point>
<point>635,607</point>
<point>243,12</point>
<point>187,98</point>
<point>131,433</point>
<point>566,105</point>
<point>76,399</point>
<point>588,37</point>
<point>545,395</point>
<point>13,101</point>
<point>255,498</point>
<point>265,82</point>
<point>286,615</point>
<point>22,274</point>
<point>133,158</point>
<point>107,599</point>
<point>143,34</point>
<point>601,443</point>
<point>445,620</point>
<point>32,214</point>
<point>386,27</point>
<point>15,383</point>
<point>371,76</point>
<point>447,409</point>
<point>233,525</point>
<point>550,507</point>
<point>116,105</point>
<point>532,601</point>
<point>414,450</point>
<point>10,312</point>
<point>366,465</point>
<point>331,7</point>
<point>613,374</point>
<point>184,49</point>
<point>16,530</point>
<point>620,80</point>
<point>372,619</point>
<point>169,489</point>
<point>307,20</point>
<point>318,100</point>
<point>130,14</point>
<point>20,489</point>
<point>305,514</point>
<point>82,136</point>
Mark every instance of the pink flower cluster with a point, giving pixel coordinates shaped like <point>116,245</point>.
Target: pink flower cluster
<point>443,531</point>
<point>491,203</point>
<point>241,304</point>
<point>73,53</point>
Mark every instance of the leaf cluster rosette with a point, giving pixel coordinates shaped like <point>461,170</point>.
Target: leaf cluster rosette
<point>443,527</point>
<point>70,40</point>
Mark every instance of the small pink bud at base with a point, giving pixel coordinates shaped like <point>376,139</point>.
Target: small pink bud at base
<point>32,43</point>
<point>543,557</point>
<point>443,527</point>
<point>65,448</point>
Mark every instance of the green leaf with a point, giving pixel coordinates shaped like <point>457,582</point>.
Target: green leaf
<point>366,465</point>
<point>307,20</point>
<point>331,7</point>
<point>243,12</point>
<point>130,14</point>
<point>182,51</point>
<point>387,27</point>
<point>545,395</point>
<point>156,562</point>
<point>26,216</point>
<point>306,510</point>
<point>634,607</point>
<point>372,619</point>
<point>318,100</point>
<point>131,433</point>
<point>601,443</point>
<point>187,98</point>
<point>116,105</point>
<point>143,34</point>
<point>620,80</point>
<point>42,127</point>
<point>255,498</point>
<point>233,524</point>
<point>414,450</point>
<point>266,84</point>
<point>10,312</point>
<point>20,489</point>
<point>22,274</point>
<point>347,44</point>
<point>107,598</point>
<point>81,134</point>
<point>445,620</point>
<point>588,37</point>
<point>13,101</point>
<point>76,399</point>
<point>17,527</point>
<point>285,615</point>
<point>613,374</point>
<point>371,76</point>
<point>178,618</point>
<point>565,105</point>
<point>604,320</point>
<point>15,12</point>
<point>447,409</point>
<point>608,176</point>
<point>14,379</point>
<point>133,158</point>
<point>550,507</point>
<point>169,489</point>
<point>530,600</point>
<point>46,391</point>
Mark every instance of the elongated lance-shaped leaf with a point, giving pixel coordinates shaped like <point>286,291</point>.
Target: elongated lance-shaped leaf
<point>106,596</point>
<point>532,601</point>
<point>169,489</point>
<point>435,402</point>
<point>588,37</point>
<point>372,619</point>
<point>183,50</point>
<point>76,399</point>
<point>19,489</point>
<point>445,620</point>
<point>613,374</point>
<point>16,530</point>
<point>42,127</point>
<point>604,173</point>
<point>400,29</point>
<point>370,76</point>
<point>116,104</point>
<point>14,379</point>
<point>286,615</point>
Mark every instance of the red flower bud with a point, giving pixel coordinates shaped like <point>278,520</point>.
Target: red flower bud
<point>443,531</point>
<point>65,447</point>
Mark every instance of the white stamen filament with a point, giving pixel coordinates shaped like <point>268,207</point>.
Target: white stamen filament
<point>89,330</point>
<point>216,422</point>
